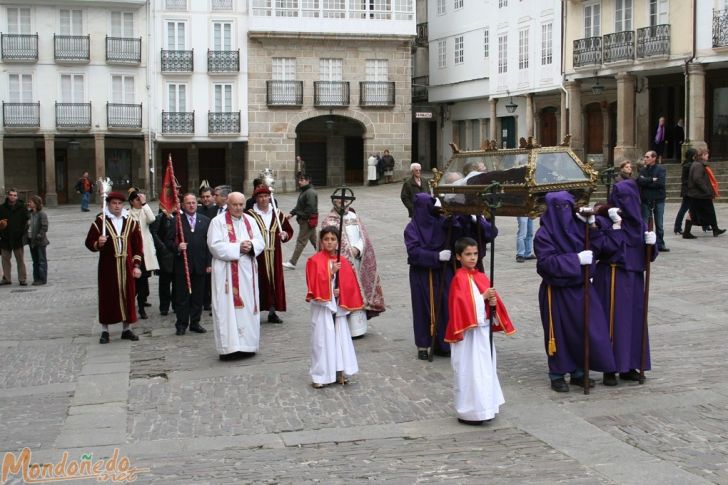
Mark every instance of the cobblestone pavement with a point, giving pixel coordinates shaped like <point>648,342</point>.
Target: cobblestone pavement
<point>170,405</point>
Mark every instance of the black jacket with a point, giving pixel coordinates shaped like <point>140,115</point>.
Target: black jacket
<point>652,191</point>
<point>198,254</point>
<point>306,204</point>
<point>209,212</point>
<point>17,215</point>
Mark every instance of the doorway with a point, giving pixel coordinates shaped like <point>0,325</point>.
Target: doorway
<point>508,132</point>
<point>354,160</point>
<point>212,165</point>
<point>594,129</point>
<point>548,129</point>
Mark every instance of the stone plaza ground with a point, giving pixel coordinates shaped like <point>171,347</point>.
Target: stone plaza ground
<point>173,408</point>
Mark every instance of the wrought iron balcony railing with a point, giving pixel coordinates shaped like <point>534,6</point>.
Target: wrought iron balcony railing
<point>124,116</point>
<point>419,88</point>
<point>175,4</point>
<point>619,46</point>
<point>222,4</point>
<point>284,93</point>
<point>178,61</point>
<point>720,28</point>
<point>71,48</point>
<point>223,122</point>
<point>376,93</point>
<point>179,122</point>
<point>21,115</point>
<point>73,115</point>
<point>19,47</point>
<point>123,50</point>
<point>223,61</point>
<point>653,41</point>
<point>588,51</point>
<point>331,93</point>
<point>422,35</point>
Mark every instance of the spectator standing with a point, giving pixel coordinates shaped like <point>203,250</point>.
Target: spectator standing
<point>37,240</point>
<point>412,186</point>
<point>388,163</point>
<point>84,186</point>
<point>306,213</point>
<point>660,140</point>
<point>625,170</point>
<point>684,175</point>
<point>702,189</point>
<point>678,138</point>
<point>144,216</point>
<point>524,239</point>
<point>221,195</point>
<point>300,166</point>
<point>165,259</point>
<point>15,215</point>
<point>372,170</point>
<point>651,181</point>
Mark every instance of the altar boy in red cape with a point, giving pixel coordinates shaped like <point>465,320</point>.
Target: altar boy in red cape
<point>478,394</point>
<point>332,350</point>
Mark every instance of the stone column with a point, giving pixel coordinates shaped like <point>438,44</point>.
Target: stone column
<point>193,169</point>
<point>468,141</point>
<point>605,133</point>
<point>147,154</point>
<point>625,149</point>
<point>696,100</point>
<point>575,115</point>
<point>563,118</point>
<point>2,167</point>
<point>529,115</point>
<point>493,119</point>
<point>51,197</point>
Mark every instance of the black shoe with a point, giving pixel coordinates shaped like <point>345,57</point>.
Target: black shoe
<point>198,328</point>
<point>180,331</point>
<point>687,235</point>
<point>37,283</point>
<point>632,375</point>
<point>129,335</point>
<point>441,353</point>
<point>104,338</point>
<point>232,356</point>
<point>610,379</point>
<point>579,381</point>
<point>678,231</point>
<point>530,257</point>
<point>85,210</point>
<point>147,305</point>
<point>559,385</point>
<point>207,308</point>
<point>718,232</point>
<point>5,282</point>
<point>471,423</point>
<point>664,249</point>
<point>520,259</point>
<point>164,313</point>
<point>422,354</point>
<point>23,283</point>
<point>274,318</point>
<point>142,314</point>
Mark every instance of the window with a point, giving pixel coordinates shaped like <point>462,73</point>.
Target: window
<point>377,70</point>
<point>502,53</point>
<point>18,20</point>
<point>459,49</point>
<point>71,22</point>
<point>309,8</point>
<point>122,89</point>
<point>222,36</point>
<point>72,88</point>
<point>502,3</point>
<point>122,24</point>
<point>441,56</point>
<point>623,15</point>
<point>403,10</point>
<point>486,43</point>
<point>592,20</point>
<point>223,94</point>
<point>20,88</point>
<point>523,49</point>
<point>458,4</point>
<point>547,43</point>
<point>176,36</point>
<point>331,69</point>
<point>284,69</point>
<point>286,8</point>
<point>334,9</point>
<point>440,7</point>
<point>658,12</point>
<point>176,98</point>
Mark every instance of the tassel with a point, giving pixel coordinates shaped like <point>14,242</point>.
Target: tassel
<point>552,347</point>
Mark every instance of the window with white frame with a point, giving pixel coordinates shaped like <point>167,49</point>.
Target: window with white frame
<point>441,54</point>
<point>502,3</point>
<point>223,98</point>
<point>623,15</point>
<point>262,8</point>
<point>286,8</point>
<point>334,9</point>
<point>18,20</point>
<point>502,53</point>
<point>523,49</point>
<point>309,8</point>
<point>122,89</point>
<point>458,4</point>
<point>72,88</point>
<point>122,24</point>
<point>486,43</point>
<point>176,35</point>
<point>284,69</point>
<point>440,7</point>
<point>177,97</point>
<point>592,20</point>
<point>331,69</point>
<point>222,37</point>
<point>175,4</point>
<point>221,5</point>
<point>658,12</point>
<point>403,10</point>
<point>459,49</point>
<point>20,88</point>
<point>547,43</point>
<point>71,22</point>
<point>377,70</point>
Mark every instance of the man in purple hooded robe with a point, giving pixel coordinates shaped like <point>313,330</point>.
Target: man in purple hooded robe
<point>561,255</point>
<point>619,280</point>
<point>427,253</point>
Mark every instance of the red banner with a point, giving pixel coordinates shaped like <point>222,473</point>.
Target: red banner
<point>169,196</point>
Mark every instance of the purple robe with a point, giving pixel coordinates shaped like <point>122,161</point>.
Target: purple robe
<point>556,244</point>
<point>622,264</point>
<point>464,226</point>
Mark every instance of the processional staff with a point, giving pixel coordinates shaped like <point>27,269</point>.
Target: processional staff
<point>492,195</point>
<point>103,185</point>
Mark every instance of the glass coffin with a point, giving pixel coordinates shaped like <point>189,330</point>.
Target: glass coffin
<point>525,176</point>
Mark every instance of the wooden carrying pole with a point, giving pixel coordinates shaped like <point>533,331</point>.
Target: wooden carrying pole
<point>648,259</point>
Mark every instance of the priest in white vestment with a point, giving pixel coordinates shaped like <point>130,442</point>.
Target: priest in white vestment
<point>234,241</point>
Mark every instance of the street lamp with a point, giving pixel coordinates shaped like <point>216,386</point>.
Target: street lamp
<point>597,88</point>
<point>511,106</point>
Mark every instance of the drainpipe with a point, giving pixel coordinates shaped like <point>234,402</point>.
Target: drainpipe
<point>687,80</point>
<point>563,57</point>
<point>150,108</point>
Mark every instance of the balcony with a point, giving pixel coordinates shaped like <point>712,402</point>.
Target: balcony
<point>420,86</point>
<point>178,61</point>
<point>19,47</point>
<point>223,122</point>
<point>619,47</point>
<point>223,61</point>
<point>331,93</point>
<point>73,115</point>
<point>124,116</point>
<point>588,52</point>
<point>284,93</point>
<point>21,115</point>
<point>222,4</point>
<point>720,28</point>
<point>376,94</point>
<point>71,48</point>
<point>175,4</point>
<point>421,37</point>
<point>123,50</point>
<point>178,123</point>
<point>653,42</point>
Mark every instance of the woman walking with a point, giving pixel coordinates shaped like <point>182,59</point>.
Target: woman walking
<point>37,230</point>
<point>702,189</point>
<point>685,173</point>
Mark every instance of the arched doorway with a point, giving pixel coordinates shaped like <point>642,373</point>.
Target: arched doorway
<point>332,147</point>
<point>594,130</point>
<point>548,129</point>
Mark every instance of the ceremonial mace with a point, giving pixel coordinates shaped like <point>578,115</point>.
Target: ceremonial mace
<point>492,195</point>
<point>606,177</point>
<point>648,260</point>
<point>345,196</point>
<point>103,184</point>
<point>587,285</point>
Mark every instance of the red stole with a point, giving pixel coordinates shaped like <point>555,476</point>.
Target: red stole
<point>237,299</point>
<point>713,181</point>
<point>462,306</point>
<point>319,276</point>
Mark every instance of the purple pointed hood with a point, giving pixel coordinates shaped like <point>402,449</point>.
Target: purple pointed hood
<point>429,224</point>
<point>561,224</point>
<point>626,196</point>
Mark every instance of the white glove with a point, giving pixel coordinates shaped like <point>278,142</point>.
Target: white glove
<point>473,218</point>
<point>437,202</point>
<point>445,255</point>
<point>614,215</point>
<point>590,220</point>
<point>586,257</point>
<point>650,237</point>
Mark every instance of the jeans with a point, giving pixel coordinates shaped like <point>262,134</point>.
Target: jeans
<point>524,237</point>
<point>85,198</point>
<point>19,261</point>
<point>305,234</point>
<point>684,206</point>
<point>658,208</point>
<point>40,264</point>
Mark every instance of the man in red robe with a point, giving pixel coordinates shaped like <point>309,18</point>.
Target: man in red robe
<point>120,259</point>
<point>275,229</point>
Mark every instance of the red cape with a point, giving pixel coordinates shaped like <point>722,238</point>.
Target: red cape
<point>462,306</point>
<point>318,280</point>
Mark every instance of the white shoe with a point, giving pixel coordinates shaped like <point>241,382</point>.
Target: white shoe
<point>288,265</point>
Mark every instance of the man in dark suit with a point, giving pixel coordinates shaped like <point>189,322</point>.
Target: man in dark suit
<point>207,208</point>
<point>199,260</point>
